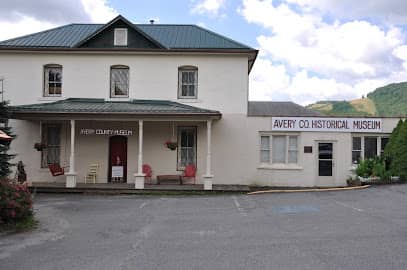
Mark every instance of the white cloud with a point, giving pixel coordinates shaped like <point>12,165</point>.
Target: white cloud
<point>323,60</point>
<point>26,19</point>
<point>211,7</point>
<point>265,76</point>
<point>24,26</point>
<point>270,81</point>
<point>99,10</point>
<point>390,11</point>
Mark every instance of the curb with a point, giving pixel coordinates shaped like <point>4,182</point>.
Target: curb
<point>306,190</point>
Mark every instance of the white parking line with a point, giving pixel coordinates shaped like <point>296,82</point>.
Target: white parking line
<point>143,204</point>
<point>349,206</point>
<point>239,208</point>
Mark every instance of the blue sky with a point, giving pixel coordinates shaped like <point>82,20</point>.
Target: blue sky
<point>228,22</point>
<point>310,50</point>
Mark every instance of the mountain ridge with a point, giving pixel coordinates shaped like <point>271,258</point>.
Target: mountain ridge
<point>389,100</point>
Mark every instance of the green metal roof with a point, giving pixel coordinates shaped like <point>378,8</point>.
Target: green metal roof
<point>172,36</point>
<point>101,106</point>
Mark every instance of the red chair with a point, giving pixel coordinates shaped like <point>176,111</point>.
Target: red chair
<point>148,173</point>
<point>189,173</point>
<point>56,169</point>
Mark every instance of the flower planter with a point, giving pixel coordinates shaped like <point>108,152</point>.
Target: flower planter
<point>39,146</point>
<point>171,145</point>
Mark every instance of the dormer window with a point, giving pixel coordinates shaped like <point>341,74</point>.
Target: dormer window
<point>187,82</point>
<point>120,37</point>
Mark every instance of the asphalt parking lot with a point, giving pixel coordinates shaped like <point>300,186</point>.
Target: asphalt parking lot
<point>360,229</point>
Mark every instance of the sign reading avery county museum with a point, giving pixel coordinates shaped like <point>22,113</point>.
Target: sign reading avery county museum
<point>101,131</point>
<point>326,124</point>
<point>117,171</point>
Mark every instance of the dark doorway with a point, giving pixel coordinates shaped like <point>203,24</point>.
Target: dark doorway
<point>325,158</point>
<point>118,159</point>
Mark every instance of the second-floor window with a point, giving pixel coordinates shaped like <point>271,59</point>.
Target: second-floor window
<point>187,82</point>
<point>52,80</point>
<point>119,81</point>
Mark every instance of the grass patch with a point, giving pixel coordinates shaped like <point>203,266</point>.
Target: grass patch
<point>24,225</point>
<point>364,105</point>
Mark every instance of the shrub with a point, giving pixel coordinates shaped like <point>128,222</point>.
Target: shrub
<point>365,168</point>
<point>373,167</point>
<point>396,150</point>
<point>15,203</point>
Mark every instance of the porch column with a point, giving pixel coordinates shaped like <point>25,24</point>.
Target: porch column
<point>71,174</point>
<point>208,177</point>
<point>139,176</point>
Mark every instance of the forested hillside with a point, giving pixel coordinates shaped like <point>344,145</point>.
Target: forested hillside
<point>390,100</point>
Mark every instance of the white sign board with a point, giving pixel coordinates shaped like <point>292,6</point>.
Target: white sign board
<point>108,132</point>
<point>117,171</point>
<point>325,124</point>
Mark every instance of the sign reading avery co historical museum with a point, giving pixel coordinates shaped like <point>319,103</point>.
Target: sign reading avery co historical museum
<point>326,124</point>
<point>102,131</point>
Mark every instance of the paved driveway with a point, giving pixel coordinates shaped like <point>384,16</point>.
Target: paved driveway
<point>363,229</point>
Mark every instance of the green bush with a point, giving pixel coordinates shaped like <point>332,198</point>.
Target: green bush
<point>15,203</point>
<point>373,168</point>
<point>365,168</point>
<point>396,151</point>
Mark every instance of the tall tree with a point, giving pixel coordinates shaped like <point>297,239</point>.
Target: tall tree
<point>5,157</point>
<point>396,150</point>
<point>391,145</point>
<point>399,162</point>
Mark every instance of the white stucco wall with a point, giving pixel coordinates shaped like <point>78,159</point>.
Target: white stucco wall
<point>222,85</point>
<point>235,151</point>
<point>222,80</point>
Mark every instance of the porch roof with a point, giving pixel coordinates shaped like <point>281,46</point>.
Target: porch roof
<point>96,106</point>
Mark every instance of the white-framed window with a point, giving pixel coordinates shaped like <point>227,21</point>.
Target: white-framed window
<point>52,80</point>
<point>51,137</point>
<point>186,147</point>
<point>356,149</point>
<point>187,82</point>
<point>119,81</point>
<point>120,37</point>
<point>368,146</point>
<point>279,149</point>
<point>265,149</point>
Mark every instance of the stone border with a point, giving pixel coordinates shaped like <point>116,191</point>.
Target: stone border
<point>306,190</point>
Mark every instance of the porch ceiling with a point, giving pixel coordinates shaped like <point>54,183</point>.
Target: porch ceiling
<point>100,108</point>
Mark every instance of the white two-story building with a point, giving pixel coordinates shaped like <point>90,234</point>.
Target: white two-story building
<point>115,94</point>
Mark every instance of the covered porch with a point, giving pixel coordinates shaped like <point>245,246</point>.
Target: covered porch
<point>123,188</point>
<point>118,137</point>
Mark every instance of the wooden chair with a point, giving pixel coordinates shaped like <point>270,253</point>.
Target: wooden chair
<point>92,173</point>
<point>148,174</point>
<point>56,169</point>
<point>189,173</point>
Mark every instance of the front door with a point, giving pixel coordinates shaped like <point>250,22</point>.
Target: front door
<point>325,164</point>
<point>117,159</point>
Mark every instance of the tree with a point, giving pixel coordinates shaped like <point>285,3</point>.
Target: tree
<point>5,157</point>
<point>396,150</point>
<point>391,145</point>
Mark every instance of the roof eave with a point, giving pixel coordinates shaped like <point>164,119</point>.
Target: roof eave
<point>28,115</point>
<point>121,49</point>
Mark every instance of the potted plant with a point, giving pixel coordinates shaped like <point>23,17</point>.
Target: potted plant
<point>39,146</point>
<point>171,145</point>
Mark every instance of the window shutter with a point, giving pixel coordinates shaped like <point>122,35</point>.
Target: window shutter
<point>120,37</point>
